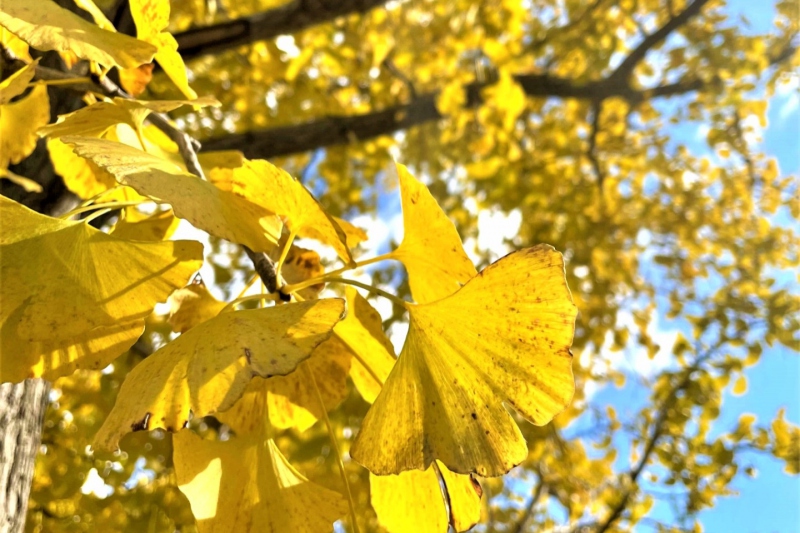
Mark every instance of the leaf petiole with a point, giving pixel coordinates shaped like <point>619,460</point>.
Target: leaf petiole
<point>370,288</point>
<point>334,273</point>
<point>285,251</point>
<point>335,445</point>
<point>92,207</point>
<point>262,296</point>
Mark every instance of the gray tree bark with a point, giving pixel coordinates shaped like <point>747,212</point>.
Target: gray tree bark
<point>22,408</point>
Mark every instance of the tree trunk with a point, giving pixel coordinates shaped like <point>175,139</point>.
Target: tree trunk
<point>22,408</point>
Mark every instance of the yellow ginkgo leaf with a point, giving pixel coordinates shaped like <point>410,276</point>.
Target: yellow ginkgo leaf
<point>207,369</point>
<point>16,84</point>
<point>431,249</point>
<point>18,124</point>
<point>80,175</point>
<point>275,190</point>
<point>245,485</point>
<point>412,502</point>
<point>15,45</point>
<point>362,332</point>
<point>151,19</point>
<point>47,26</point>
<point>96,119</point>
<point>192,305</point>
<point>504,337</point>
<point>76,288</point>
<point>221,159</point>
<point>292,401</point>
<point>353,234</point>
<point>219,212</point>
<point>137,226</point>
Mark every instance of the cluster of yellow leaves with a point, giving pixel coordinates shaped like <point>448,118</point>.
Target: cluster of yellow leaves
<point>78,298</point>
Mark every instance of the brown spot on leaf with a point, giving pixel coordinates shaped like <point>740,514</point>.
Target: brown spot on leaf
<point>143,424</point>
<point>247,355</point>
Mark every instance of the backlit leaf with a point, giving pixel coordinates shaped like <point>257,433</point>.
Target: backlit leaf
<point>137,226</point>
<point>18,124</point>
<point>219,212</point>
<point>192,305</point>
<point>412,502</point>
<point>207,369</point>
<point>245,485</point>
<point>96,119</point>
<point>431,249</point>
<point>16,84</point>
<point>56,318</point>
<point>274,189</point>
<point>503,337</point>
<point>362,332</point>
<point>47,26</point>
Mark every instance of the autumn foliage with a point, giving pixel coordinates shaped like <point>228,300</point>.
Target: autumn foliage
<point>268,394</point>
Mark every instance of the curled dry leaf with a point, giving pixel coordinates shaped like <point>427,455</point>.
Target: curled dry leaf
<point>503,337</point>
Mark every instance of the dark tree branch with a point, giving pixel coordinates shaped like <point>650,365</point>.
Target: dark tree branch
<point>526,514</point>
<point>625,68</point>
<point>289,18</point>
<point>591,153</point>
<point>344,129</point>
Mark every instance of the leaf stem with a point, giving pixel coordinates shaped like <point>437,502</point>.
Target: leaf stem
<point>333,273</point>
<point>335,445</point>
<point>67,81</point>
<point>99,195</point>
<point>261,296</point>
<point>370,288</point>
<point>285,251</point>
<point>111,205</point>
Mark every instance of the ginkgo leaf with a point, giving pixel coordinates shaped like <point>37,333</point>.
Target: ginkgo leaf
<point>292,401</point>
<point>412,502</point>
<point>207,369</point>
<point>431,249</point>
<point>151,19</point>
<point>192,305</point>
<point>245,485</point>
<point>16,84</point>
<point>135,80</point>
<point>80,175</point>
<point>96,119</point>
<point>354,235</point>
<point>221,213</point>
<point>75,287</point>
<point>47,26</point>
<point>137,226</point>
<point>502,337</point>
<point>362,332</point>
<point>18,124</point>
<point>275,190</point>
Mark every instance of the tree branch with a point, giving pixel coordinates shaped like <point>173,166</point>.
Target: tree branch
<point>344,129</point>
<point>289,18</point>
<point>625,68</point>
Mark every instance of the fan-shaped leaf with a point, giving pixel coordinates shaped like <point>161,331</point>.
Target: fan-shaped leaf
<point>431,249</point>
<point>219,212</point>
<point>45,25</point>
<point>207,369</point>
<point>245,485</point>
<point>502,337</point>
<point>80,296</point>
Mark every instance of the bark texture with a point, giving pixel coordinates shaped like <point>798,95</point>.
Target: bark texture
<point>22,407</point>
